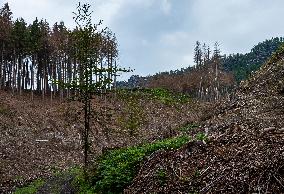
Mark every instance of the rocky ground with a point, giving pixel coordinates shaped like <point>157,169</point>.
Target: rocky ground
<point>245,151</point>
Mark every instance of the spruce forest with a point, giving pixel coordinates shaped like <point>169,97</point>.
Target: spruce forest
<point>69,125</point>
<point>35,56</point>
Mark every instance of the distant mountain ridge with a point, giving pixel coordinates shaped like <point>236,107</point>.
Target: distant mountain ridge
<point>240,65</point>
<point>243,64</point>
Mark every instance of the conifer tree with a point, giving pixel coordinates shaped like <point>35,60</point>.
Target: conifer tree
<point>5,31</point>
<point>32,55</point>
<point>90,65</point>
<point>18,42</point>
<point>198,54</point>
<point>216,62</point>
<point>206,54</point>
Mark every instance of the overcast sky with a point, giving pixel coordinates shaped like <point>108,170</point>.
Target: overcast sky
<point>159,35</point>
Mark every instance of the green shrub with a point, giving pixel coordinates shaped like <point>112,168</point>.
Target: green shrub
<point>116,169</point>
<point>201,137</point>
<point>133,116</point>
<point>162,176</point>
<point>167,97</point>
<point>80,183</point>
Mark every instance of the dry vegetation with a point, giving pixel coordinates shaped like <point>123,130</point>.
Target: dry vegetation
<point>245,151</point>
<point>241,153</point>
<point>39,137</point>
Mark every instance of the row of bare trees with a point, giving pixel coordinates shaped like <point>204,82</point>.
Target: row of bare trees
<point>209,84</point>
<point>33,56</point>
<point>206,80</point>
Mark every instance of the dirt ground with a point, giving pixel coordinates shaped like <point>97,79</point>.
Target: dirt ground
<point>39,137</point>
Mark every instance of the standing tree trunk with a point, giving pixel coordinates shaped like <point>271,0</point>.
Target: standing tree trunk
<point>1,67</point>
<point>32,76</point>
<point>87,111</point>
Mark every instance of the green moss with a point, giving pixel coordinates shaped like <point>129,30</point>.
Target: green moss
<point>31,189</point>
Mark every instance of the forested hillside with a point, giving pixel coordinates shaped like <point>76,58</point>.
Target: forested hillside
<point>239,65</point>
<point>242,65</point>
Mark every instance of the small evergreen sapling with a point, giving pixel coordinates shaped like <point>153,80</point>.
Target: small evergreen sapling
<point>93,78</point>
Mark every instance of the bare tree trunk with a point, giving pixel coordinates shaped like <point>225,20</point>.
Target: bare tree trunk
<point>42,80</point>
<point>61,78</point>
<point>20,75</point>
<point>86,131</point>
<point>114,80</point>
<point>32,76</point>
<point>199,91</point>
<point>27,74</point>
<point>1,67</point>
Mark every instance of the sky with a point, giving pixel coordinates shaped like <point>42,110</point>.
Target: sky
<point>160,35</point>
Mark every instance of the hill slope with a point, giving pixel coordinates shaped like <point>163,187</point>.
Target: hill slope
<point>38,138</point>
<point>245,151</point>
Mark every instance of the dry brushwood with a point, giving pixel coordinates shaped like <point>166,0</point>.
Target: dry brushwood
<point>245,152</point>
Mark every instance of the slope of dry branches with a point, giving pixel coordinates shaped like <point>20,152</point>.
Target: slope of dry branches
<point>38,137</point>
<point>245,153</point>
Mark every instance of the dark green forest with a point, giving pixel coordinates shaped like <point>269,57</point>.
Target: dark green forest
<point>242,65</point>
